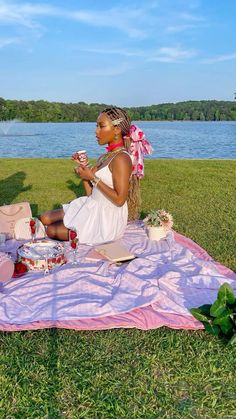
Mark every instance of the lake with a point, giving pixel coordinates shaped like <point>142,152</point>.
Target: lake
<point>170,140</point>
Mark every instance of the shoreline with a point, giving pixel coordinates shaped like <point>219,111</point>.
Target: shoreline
<point>94,158</point>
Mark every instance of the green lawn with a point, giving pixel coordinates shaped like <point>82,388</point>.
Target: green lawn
<point>125,373</point>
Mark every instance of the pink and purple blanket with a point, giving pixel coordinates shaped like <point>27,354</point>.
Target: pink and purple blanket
<point>156,289</point>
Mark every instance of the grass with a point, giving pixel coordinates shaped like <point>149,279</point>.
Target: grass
<point>125,373</point>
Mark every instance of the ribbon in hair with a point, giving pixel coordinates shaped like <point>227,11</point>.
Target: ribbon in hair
<point>139,146</point>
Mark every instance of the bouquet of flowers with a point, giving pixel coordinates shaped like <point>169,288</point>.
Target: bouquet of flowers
<point>159,218</point>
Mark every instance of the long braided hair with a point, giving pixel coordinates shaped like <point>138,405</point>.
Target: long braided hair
<point>134,196</point>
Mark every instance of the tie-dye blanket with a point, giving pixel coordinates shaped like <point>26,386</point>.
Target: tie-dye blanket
<point>157,288</point>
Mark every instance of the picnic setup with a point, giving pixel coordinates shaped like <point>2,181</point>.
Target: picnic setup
<point>94,264</point>
<point>134,282</point>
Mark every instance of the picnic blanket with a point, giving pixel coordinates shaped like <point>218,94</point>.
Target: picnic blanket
<point>156,289</point>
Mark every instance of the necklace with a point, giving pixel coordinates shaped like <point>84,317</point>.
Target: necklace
<point>111,147</point>
<point>101,160</point>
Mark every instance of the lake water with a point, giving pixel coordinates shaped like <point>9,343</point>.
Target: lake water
<point>170,140</point>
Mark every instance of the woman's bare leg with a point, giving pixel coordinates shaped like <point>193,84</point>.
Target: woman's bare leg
<point>58,231</point>
<point>50,217</point>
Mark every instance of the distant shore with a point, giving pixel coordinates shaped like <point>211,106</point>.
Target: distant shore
<point>44,111</point>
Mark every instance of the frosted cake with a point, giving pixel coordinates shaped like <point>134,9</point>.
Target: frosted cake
<point>42,254</point>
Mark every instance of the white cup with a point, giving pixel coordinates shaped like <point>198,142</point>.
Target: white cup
<point>82,157</point>
<point>2,238</point>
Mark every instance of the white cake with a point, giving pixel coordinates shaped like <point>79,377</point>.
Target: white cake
<point>42,254</point>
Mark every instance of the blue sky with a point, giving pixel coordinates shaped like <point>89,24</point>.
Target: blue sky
<point>128,53</point>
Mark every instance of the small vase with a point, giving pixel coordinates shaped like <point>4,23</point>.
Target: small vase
<point>156,233</point>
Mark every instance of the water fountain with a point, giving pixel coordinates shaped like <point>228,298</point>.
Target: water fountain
<point>5,126</point>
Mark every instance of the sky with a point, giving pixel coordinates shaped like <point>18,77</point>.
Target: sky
<point>125,53</point>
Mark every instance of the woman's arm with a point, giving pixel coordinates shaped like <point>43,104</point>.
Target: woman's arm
<point>86,183</point>
<point>87,187</point>
<point>121,167</point>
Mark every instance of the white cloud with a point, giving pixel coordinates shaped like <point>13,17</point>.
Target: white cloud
<point>127,20</point>
<point>113,51</point>
<point>8,41</point>
<point>190,17</point>
<point>182,21</point>
<point>220,58</point>
<point>113,18</point>
<point>164,54</point>
<point>107,71</point>
<point>172,55</point>
<point>180,28</point>
<point>14,14</point>
<point>135,22</point>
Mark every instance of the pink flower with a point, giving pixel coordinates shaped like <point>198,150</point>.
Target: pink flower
<point>166,219</point>
<point>132,129</point>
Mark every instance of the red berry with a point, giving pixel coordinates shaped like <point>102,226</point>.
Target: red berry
<point>20,267</point>
<point>73,234</point>
<point>73,245</point>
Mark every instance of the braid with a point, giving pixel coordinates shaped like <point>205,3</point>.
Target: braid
<point>134,198</point>
<point>134,194</point>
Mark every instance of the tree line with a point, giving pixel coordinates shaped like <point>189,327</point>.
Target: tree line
<point>44,111</point>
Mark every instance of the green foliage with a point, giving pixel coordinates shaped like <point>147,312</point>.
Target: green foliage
<point>157,218</point>
<point>226,295</point>
<point>43,111</point>
<point>219,319</point>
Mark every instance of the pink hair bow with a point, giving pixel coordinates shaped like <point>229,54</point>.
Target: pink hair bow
<point>139,146</point>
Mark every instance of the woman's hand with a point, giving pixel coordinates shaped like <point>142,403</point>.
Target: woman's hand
<point>85,172</point>
<point>75,158</point>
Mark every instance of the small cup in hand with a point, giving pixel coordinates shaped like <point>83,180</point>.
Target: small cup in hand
<point>81,157</point>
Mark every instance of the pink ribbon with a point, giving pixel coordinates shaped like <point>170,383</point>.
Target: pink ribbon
<point>138,148</point>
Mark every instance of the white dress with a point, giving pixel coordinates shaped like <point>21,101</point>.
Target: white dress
<point>95,218</point>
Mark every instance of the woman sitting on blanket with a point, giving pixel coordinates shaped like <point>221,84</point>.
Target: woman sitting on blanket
<point>112,186</point>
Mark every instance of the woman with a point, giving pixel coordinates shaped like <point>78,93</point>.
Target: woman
<point>102,214</point>
<point>112,186</point>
